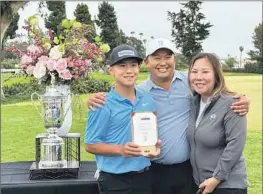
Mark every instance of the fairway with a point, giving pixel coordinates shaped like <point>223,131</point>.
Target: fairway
<point>251,86</point>
<point>21,123</point>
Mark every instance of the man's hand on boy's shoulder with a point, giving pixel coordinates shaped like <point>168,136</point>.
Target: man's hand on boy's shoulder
<point>242,105</point>
<point>96,100</point>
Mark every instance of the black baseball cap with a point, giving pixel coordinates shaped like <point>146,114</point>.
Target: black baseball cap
<point>123,52</point>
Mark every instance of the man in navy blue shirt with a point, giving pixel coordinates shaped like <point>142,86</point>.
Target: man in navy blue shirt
<point>123,169</point>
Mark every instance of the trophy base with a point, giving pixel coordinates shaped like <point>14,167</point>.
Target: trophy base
<point>69,171</point>
<point>53,164</point>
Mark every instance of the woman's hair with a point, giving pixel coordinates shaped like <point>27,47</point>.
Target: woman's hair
<point>220,85</point>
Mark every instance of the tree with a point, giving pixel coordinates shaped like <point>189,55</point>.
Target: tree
<point>58,13</point>
<point>122,37</point>
<point>230,62</point>
<point>137,44</point>
<point>107,21</point>
<point>256,55</point>
<point>241,48</point>
<point>82,15</point>
<point>8,10</point>
<point>11,30</point>
<point>189,29</point>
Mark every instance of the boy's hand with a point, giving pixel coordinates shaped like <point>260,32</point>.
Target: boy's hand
<point>157,152</point>
<point>242,106</point>
<point>96,100</point>
<point>131,150</point>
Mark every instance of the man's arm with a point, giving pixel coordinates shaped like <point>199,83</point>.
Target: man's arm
<point>96,100</point>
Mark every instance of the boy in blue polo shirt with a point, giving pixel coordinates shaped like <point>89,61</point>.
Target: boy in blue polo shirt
<point>123,169</point>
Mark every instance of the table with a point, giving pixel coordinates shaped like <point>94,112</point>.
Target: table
<point>15,180</point>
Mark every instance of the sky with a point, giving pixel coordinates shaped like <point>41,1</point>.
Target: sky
<point>233,21</point>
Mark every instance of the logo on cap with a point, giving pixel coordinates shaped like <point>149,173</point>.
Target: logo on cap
<point>160,42</point>
<point>125,53</point>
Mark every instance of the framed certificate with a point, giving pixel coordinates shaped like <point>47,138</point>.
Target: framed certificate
<point>144,131</point>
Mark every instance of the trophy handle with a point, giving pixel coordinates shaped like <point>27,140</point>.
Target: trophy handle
<point>69,94</point>
<point>33,102</point>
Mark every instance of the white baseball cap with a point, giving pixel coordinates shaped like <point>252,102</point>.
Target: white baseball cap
<point>158,43</point>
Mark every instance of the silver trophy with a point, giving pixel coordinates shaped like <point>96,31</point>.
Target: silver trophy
<point>53,114</point>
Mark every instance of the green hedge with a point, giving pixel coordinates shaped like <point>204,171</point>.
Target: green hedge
<point>18,92</point>
<point>89,85</point>
<point>9,63</point>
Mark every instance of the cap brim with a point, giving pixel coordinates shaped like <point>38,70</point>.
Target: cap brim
<point>161,48</point>
<point>139,59</point>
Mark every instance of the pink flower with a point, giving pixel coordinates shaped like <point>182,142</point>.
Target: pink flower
<point>30,69</point>
<point>68,59</point>
<point>71,64</point>
<point>60,65</point>
<point>43,58</point>
<point>65,75</point>
<point>23,66</point>
<point>26,60</point>
<point>50,64</point>
<point>34,51</point>
<point>76,76</point>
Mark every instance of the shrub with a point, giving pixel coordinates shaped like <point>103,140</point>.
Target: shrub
<point>143,68</point>
<point>18,92</point>
<point>9,63</point>
<point>89,85</point>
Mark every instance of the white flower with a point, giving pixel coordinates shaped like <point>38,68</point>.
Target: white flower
<point>39,71</point>
<point>55,53</point>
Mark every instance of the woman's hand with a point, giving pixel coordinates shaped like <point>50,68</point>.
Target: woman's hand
<point>209,185</point>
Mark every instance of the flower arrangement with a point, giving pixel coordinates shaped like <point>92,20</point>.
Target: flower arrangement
<point>68,55</point>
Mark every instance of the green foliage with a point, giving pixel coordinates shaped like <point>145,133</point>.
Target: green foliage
<point>21,91</point>
<point>82,15</point>
<point>189,29</point>
<point>257,37</point>
<point>9,63</point>
<point>58,13</point>
<point>11,30</point>
<point>137,44</point>
<point>257,55</point>
<point>229,62</point>
<point>6,8</point>
<point>89,85</point>
<point>181,62</point>
<point>107,21</point>
<point>253,68</point>
<point>122,37</point>
<point>143,68</point>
